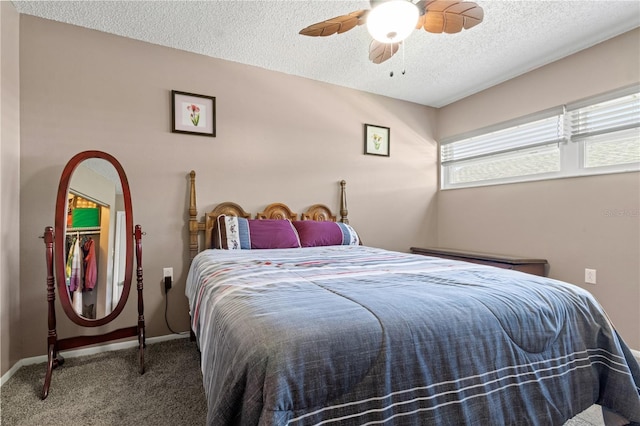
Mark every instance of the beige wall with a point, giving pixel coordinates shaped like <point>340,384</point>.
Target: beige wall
<point>10,187</point>
<point>576,223</point>
<point>279,139</point>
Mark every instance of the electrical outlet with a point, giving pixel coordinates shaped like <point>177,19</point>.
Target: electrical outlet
<point>167,272</point>
<point>590,276</point>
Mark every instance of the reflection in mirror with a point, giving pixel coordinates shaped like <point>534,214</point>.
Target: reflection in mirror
<point>95,251</point>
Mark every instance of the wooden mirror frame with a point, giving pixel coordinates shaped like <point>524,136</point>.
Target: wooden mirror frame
<point>60,230</point>
<point>54,345</point>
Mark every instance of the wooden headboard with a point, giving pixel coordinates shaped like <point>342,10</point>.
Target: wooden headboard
<point>317,212</point>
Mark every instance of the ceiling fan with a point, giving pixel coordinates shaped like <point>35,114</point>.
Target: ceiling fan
<point>391,21</point>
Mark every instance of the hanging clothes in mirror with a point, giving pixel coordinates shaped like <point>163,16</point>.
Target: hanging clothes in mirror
<point>90,277</point>
<point>74,275</point>
<point>81,273</point>
<point>89,263</point>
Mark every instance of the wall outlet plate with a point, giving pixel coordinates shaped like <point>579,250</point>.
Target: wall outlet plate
<point>590,276</point>
<point>167,272</point>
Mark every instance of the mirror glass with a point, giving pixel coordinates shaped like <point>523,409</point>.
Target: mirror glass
<point>93,238</point>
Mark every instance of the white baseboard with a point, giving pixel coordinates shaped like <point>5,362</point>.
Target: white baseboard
<point>6,376</point>
<point>88,351</point>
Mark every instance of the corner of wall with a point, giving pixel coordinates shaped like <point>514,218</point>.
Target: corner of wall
<point>10,343</point>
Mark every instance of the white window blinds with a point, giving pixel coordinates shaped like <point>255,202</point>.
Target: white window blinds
<point>526,135</point>
<point>609,116</point>
<point>607,129</point>
<point>604,131</point>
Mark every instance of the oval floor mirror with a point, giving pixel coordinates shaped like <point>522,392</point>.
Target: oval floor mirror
<point>91,251</point>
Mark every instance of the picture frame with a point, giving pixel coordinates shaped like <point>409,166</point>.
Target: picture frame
<point>193,114</point>
<point>377,140</point>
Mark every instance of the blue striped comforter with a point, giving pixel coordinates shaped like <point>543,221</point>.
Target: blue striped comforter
<point>354,335</point>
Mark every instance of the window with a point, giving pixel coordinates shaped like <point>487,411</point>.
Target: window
<point>607,130</point>
<point>597,135</point>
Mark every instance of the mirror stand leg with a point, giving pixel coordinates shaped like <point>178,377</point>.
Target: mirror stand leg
<point>52,339</point>
<point>54,359</point>
<point>141,349</point>
<point>47,378</point>
<point>141,337</point>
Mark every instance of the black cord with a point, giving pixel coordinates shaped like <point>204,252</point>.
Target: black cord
<point>166,306</point>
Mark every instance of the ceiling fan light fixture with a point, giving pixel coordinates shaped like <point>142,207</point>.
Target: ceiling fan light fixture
<point>392,21</point>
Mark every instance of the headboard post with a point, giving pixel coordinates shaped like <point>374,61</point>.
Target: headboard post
<point>194,225</point>
<point>343,202</point>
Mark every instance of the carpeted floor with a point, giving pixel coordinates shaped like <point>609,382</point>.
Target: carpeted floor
<point>106,389</point>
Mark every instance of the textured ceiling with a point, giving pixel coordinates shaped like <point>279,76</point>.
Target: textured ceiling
<point>106,170</point>
<point>515,37</point>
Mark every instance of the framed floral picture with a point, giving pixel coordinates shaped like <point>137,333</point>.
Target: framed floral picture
<point>193,114</point>
<point>376,140</point>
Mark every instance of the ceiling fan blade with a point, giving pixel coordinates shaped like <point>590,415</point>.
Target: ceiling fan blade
<point>380,52</point>
<point>450,16</point>
<point>337,25</point>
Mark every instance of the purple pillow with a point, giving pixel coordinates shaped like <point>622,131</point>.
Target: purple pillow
<point>272,233</point>
<point>313,233</point>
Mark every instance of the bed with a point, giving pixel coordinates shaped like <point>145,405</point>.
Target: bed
<point>340,333</point>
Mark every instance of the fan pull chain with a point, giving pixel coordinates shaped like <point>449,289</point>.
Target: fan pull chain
<point>391,53</point>
<point>403,69</point>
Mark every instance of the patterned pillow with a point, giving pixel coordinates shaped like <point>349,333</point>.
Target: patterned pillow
<point>320,233</point>
<point>349,235</point>
<point>231,233</point>
<point>272,233</point>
